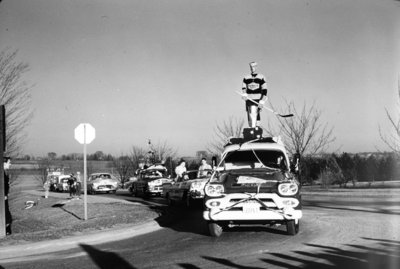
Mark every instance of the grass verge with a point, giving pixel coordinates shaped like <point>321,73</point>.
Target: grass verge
<point>55,218</point>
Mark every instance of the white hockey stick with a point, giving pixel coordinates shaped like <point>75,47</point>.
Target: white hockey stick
<point>267,108</point>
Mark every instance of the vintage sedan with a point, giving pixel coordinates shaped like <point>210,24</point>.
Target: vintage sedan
<point>188,190</point>
<point>102,182</point>
<point>150,181</point>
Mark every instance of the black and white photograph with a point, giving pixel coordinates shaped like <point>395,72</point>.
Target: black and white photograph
<point>199,134</point>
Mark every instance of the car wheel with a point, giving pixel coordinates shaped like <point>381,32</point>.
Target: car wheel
<point>215,229</point>
<point>292,228</point>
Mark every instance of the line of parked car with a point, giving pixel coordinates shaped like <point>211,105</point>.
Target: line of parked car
<point>154,181</point>
<point>96,183</point>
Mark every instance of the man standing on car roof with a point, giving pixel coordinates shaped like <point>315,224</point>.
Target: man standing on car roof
<point>254,88</point>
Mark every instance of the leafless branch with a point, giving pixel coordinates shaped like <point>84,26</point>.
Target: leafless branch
<point>15,95</point>
<point>392,140</point>
<point>223,131</point>
<point>304,133</point>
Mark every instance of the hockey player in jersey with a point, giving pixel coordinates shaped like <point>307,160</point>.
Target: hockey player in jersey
<point>254,87</point>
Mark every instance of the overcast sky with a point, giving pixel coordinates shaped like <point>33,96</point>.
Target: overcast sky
<point>168,70</point>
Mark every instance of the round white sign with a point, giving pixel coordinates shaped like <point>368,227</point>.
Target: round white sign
<point>85,133</point>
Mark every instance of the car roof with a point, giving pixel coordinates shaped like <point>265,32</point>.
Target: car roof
<point>63,176</point>
<point>255,146</point>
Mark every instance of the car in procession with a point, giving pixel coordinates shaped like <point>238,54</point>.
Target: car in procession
<point>62,183</point>
<point>188,189</point>
<point>254,184</point>
<point>150,181</point>
<point>102,182</point>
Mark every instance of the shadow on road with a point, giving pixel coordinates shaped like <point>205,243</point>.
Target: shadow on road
<point>322,205</point>
<point>376,253</point>
<point>105,259</point>
<point>182,219</point>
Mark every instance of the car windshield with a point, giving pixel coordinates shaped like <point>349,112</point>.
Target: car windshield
<point>105,176</point>
<point>273,159</point>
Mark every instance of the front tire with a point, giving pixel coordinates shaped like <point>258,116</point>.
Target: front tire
<point>215,229</point>
<point>292,228</point>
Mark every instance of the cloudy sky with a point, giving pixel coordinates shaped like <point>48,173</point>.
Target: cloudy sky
<point>168,70</point>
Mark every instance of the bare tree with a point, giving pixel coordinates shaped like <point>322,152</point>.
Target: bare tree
<point>160,151</point>
<point>392,140</point>
<point>137,156</point>
<point>231,127</point>
<point>304,133</point>
<point>15,96</point>
<point>123,165</point>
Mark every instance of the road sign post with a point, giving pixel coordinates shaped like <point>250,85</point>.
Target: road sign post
<point>85,134</point>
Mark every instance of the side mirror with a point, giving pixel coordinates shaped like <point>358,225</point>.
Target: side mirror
<point>214,162</point>
<point>295,165</point>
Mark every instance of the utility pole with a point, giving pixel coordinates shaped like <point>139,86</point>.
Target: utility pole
<point>2,149</point>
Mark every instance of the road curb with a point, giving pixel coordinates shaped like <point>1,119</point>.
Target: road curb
<point>15,253</point>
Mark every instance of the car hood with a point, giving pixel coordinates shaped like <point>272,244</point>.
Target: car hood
<point>158,181</point>
<point>251,180</point>
<point>104,181</point>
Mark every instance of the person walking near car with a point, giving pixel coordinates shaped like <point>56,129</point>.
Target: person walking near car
<point>78,184</point>
<point>7,164</point>
<point>180,170</point>
<point>46,187</point>
<point>204,168</point>
<point>254,89</point>
<point>71,184</point>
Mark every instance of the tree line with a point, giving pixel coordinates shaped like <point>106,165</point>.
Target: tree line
<point>348,168</point>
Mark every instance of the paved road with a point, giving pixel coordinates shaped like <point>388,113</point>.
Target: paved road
<point>344,234</point>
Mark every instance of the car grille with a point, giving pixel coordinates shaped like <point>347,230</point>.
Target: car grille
<point>267,201</point>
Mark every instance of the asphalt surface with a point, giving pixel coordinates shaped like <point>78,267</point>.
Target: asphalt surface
<point>348,233</point>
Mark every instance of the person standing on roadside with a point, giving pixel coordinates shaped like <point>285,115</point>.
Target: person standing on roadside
<point>71,184</point>
<point>46,187</point>
<point>78,184</point>
<point>7,164</point>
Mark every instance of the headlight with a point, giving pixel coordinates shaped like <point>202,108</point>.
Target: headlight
<point>196,186</point>
<point>290,202</point>
<point>214,190</point>
<point>288,189</point>
<point>154,183</point>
